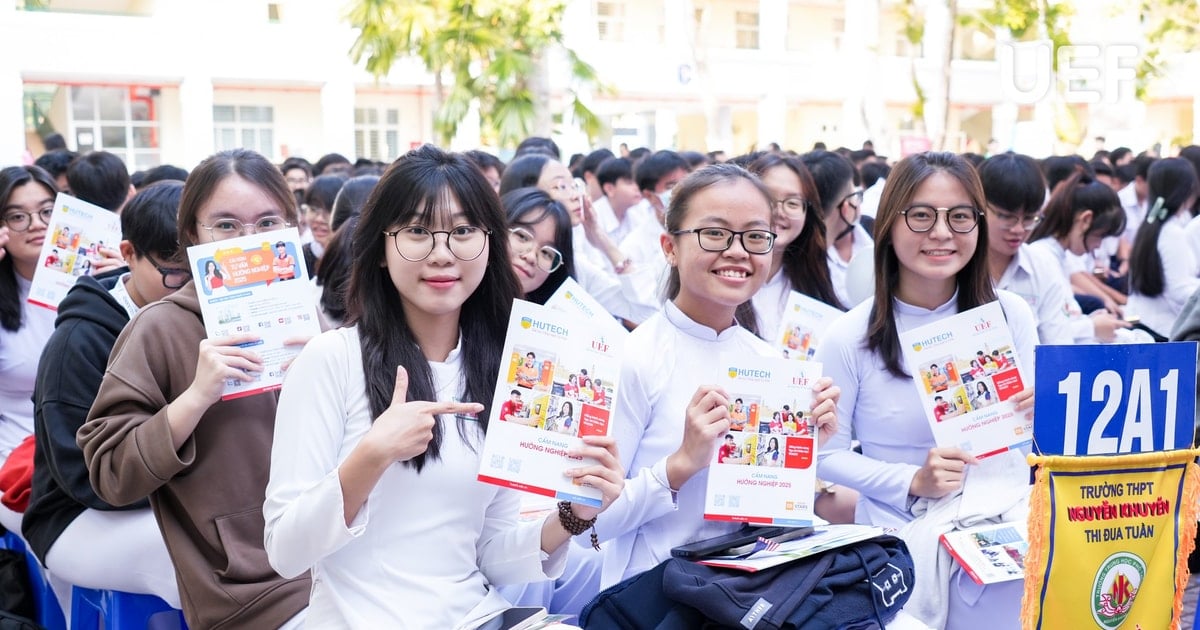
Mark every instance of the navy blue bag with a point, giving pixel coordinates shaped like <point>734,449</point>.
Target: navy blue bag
<point>859,586</point>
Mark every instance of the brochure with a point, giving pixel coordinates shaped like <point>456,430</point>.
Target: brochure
<point>571,298</point>
<point>990,553</point>
<point>557,383</point>
<point>74,237</point>
<point>966,369</point>
<point>522,618</point>
<point>764,471</point>
<point>822,539</point>
<point>803,326</point>
<point>256,284</point>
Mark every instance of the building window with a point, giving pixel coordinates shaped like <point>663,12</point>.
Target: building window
<point>245,126</point>
<point>839,32</point>
<point>610,21</point>
<point>747,29</point>
<point>121,120</point>
<point>377,133</point>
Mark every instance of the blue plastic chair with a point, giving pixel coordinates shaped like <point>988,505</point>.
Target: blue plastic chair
<point>49,614</point>
<point>115,610</point>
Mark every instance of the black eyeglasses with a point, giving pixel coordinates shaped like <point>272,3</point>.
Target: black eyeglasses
<point>22,221</point>
<point>172,277</point>
<point>922,218</point>
<point>792,206</point>
<point>415,243</point>
<point>718,239</point>
<point>856,195</point>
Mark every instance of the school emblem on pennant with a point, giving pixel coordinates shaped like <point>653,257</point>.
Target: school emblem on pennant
<point>1114,588</point>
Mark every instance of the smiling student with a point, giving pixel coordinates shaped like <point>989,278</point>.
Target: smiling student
<point>930,263</point>
<point>159,428</point>
<point>798,258</point>
<point>718,246</point>
<point>381,423</point>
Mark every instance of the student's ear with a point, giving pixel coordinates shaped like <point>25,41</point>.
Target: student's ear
<point>1085,218</point>
<point>607,189</point>
<point>667,242</point>
<point>127,251</point>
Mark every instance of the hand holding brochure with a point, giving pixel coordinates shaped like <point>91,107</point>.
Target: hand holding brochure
<point>990,553</point>
<point>76,232</point>
<point>803,326</point>
<point>966,370</point>
<point>256,284</point>
<point>557,382</point>
<point>764,470</point>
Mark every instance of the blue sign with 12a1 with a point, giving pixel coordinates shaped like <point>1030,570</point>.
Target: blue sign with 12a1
<point>1114,399</point>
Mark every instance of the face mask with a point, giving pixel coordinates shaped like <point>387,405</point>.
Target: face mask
<point>665,198</point>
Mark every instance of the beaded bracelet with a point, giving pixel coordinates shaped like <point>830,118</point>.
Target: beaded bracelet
<point>575,525</point>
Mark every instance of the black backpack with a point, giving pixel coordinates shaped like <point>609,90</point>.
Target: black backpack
<point>858,586</point>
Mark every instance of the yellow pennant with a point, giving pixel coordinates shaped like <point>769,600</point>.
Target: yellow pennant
<point>1109,538</point>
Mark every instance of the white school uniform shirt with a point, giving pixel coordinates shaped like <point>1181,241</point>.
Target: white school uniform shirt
<point>618,229</point>
<point>871,197</point>
<point>1035,275</point>
<point>863,246</point>
<point>666,359</point>
<point>1135,211</point>
<point>769,303</point>
<point>883,411</point>
<point>629,295</point>
<point>426,548</point>
<point>1181,278</point>
<point>19,354</point>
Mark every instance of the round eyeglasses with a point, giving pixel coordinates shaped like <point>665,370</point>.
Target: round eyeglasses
<point>415,243</point>
<point>222,229</point>
<point>523,243</point>
<point>22,221</point>
<point>794,207</point>
<point>922,218</point>
<point>718,239</point>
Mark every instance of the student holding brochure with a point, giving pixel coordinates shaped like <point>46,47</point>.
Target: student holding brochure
<point>381,423</point>
<point>798,258</point>
<point>930,263</point>
<point>718,245</point>
<point>159,428</point>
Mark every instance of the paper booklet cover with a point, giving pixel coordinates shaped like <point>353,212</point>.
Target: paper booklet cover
<point>803,326</point>
<point>764,470</point>
<point>571,298</point>
<point>72,245</point>
<point>256,284</point>
<point>989,553</point>
<point>557,382</point>
<point>966,370</point>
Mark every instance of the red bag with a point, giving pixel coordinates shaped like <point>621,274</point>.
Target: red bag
<point>16,476</point>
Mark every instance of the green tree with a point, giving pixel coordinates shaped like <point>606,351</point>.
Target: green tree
<point>494,52</point>
<point>1170,26</point>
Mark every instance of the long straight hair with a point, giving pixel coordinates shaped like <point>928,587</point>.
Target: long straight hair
<point>1077,193</point>
<point>1174,181</point>
<point>415,189</point>
<point>974,283</point>
<point>804,261</point>
<point>12,178</point>
<point>526,207</point>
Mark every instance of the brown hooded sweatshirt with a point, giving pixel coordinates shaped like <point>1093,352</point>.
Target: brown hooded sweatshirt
<point>208,495</point>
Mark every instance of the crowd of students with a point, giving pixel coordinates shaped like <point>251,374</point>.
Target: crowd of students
<point>349,498</point>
